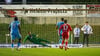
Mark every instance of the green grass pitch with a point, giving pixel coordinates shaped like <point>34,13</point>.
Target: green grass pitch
<point>50,52</point>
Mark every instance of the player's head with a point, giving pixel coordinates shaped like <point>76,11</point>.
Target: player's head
<point>77,25</point>
<point>16,18</point>
<point>29,33</point>
<point>65,21</point>
<point>62,19</point>
<point>86,22</point>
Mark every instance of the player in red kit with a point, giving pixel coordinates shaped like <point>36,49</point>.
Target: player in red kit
<point>65,35</point>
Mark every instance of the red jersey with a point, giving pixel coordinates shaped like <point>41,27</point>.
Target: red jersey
<point>65,28</point>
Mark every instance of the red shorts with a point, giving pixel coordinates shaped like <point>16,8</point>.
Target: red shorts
<point>65,35</point>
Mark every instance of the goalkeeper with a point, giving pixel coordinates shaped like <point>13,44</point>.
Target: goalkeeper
<point>34,39</point>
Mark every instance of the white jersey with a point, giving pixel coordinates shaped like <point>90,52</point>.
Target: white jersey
<point>87,29</point>
<point>76,32</point>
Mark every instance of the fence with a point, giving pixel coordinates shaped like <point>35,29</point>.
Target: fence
<point>45,26</point>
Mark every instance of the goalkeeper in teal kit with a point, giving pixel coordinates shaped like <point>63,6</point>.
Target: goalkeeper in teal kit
<point>34,39</point>
<point>57,27</point>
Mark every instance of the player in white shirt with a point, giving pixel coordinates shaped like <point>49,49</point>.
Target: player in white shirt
<point>76,34</point>
<point>87,29</point>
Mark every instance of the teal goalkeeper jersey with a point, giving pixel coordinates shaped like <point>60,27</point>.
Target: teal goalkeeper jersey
<point>59,24</point>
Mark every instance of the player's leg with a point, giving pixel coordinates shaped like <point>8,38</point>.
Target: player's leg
<point>66,41</point>
<point>43,40</point>
<point>74,40</point>
<point>77,40</point>
<point>60,38</point>
<point>38,42</point>
<point>12,44</point>
<point>63,39</point>
<point>19,41</point>
<point>12,41</point>
<point>87,39</point>
<point>84,35</point>
<point>61,46</point>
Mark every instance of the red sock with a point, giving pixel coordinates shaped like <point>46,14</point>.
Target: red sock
<point>66,44</point>
<point>62,42</point>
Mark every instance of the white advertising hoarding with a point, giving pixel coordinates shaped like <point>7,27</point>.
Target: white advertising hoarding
<point>40,46</point>
<point>46,10</point>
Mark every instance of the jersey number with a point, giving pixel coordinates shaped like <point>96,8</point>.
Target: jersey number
<point>65,27</point>
<point>14,25</point>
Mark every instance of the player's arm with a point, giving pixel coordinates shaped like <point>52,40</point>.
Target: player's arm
<point>91,30</point>
<point>74,31</point>
<point>70,28</point>
<point>25,39</point>
<point>79,30</point>
<point>57,26</point>
<point>83,28</point>
<point>60,28</point>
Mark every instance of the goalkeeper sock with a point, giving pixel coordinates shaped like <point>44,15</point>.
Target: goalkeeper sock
<point>60,41</point>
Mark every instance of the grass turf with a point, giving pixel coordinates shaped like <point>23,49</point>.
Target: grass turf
<point>50,52</point>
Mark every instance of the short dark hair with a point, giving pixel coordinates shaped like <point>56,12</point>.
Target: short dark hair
<point>76,24</point>
<point>65,21</point>
<point>86,22</point>
<point>62,19</point>
<point>16,18</point>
